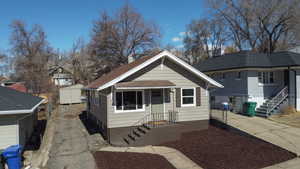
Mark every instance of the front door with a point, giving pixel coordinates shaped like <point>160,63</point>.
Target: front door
<point>157,105</point>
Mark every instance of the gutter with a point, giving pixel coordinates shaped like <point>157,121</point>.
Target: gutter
<point>22,111</point>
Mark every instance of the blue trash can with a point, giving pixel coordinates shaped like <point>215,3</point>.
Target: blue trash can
<point>13,156</point>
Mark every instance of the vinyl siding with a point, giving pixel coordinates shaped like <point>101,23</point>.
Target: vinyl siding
<point>98,106</point>
<point>259,93</point>
<point>70,95</point>
<point>168,71</point>
<point>8,131</point>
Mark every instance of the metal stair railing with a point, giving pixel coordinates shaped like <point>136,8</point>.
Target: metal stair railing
<point>275,101</point>
<point>154,120</point>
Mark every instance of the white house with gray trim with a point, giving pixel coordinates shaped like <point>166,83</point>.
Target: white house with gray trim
<point>150,100</point>
<point>18,116</point>
<point>271,80</point>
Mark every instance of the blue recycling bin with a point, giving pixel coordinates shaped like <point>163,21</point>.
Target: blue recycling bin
<point>225,106</point>
<point>13,156</point>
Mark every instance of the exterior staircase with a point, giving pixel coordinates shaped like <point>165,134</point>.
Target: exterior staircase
<point>148,123</point>
<point>272,106</point>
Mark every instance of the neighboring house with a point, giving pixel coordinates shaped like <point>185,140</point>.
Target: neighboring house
<point>61,76</point>
<point>18,116</point>
<point>152,91</point>
<point>271,80</point>
<point>70,94</point>
<point>19,87</point>
<point>295,49</point>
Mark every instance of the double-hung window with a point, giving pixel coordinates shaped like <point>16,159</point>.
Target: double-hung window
<point>188,97</point>
<point>129,101</point>
<point>266,77</point>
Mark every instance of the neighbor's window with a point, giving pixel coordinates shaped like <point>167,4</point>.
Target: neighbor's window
<point>188,96</point>
<point>266,77</point>
<point>239,75</point>
<point>129,100</point>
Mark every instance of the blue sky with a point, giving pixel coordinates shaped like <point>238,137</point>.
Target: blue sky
<point>66,20</point>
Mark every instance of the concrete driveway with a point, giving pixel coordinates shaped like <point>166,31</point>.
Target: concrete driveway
<point>279,134</point>
<point>71,144</point>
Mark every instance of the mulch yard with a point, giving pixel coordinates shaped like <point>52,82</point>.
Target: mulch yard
<point>217,148</point>
<point>128,160</point>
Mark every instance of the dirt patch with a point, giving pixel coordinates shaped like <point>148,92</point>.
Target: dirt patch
<point>127,160</point>
<point>291,119</point>
<point>216,148</point>
<point>70,116</point>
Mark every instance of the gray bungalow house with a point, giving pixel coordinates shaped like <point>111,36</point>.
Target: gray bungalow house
<point>150,100</point>
<point>18,116</point>
<point>271,80</point>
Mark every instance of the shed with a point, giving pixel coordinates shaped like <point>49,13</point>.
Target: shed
<point>70,94</point>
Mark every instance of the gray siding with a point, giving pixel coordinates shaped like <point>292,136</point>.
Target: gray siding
<point>259,93</point>
<point>8,131</point>
<point>232,85</point>
<point>70,95</point>
<point>246,87</point>
<point>168,71</point>
<point>98,106</point>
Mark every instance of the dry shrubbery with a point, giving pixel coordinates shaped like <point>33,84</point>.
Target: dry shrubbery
<point>288,110</point>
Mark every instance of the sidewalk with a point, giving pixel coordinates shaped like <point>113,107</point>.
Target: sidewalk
<point>176,158</point>
<point>278,134</point>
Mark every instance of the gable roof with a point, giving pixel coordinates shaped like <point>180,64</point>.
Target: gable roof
<point>15,102</point>
<point>249,60</point>
<point>124,71</point>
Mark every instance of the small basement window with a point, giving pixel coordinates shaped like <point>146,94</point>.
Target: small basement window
<point>188,97</point>
<point>129,101</point>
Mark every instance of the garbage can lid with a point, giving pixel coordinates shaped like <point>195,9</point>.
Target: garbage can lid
<point>12,150</point>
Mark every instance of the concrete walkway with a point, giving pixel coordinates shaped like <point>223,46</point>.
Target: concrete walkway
<point>176,158</point>
<point>278,134</point>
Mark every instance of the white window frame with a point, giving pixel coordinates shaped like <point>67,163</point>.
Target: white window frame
<point>268,78</point>
<point>128,111</point>
<point>194,97</point>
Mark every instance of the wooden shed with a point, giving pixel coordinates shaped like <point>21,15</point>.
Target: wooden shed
<point>70,94</point>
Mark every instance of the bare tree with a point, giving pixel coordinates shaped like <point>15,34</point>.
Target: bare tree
<point>116,37</point>
<point>204,38</point>
<point>258,25</point>
<point>32,52</point>
<point>80,61</point>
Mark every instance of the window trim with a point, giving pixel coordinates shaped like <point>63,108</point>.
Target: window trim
<point>128,111</point>
<point>194,97</point>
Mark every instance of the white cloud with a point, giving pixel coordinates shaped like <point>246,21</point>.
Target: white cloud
<point>182,33</point>
<point>176,39</point>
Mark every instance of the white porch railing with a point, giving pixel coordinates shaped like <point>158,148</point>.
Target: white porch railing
<point>275,101</point>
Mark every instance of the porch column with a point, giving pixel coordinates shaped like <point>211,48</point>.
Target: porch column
<point>292,88</point>
<point>298,90</point>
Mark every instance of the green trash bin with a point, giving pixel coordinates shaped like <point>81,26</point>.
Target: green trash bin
<point>250,108</point>
<point>2,162</point>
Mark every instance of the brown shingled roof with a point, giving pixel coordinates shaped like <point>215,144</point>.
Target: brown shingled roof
<point>119,71</point>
